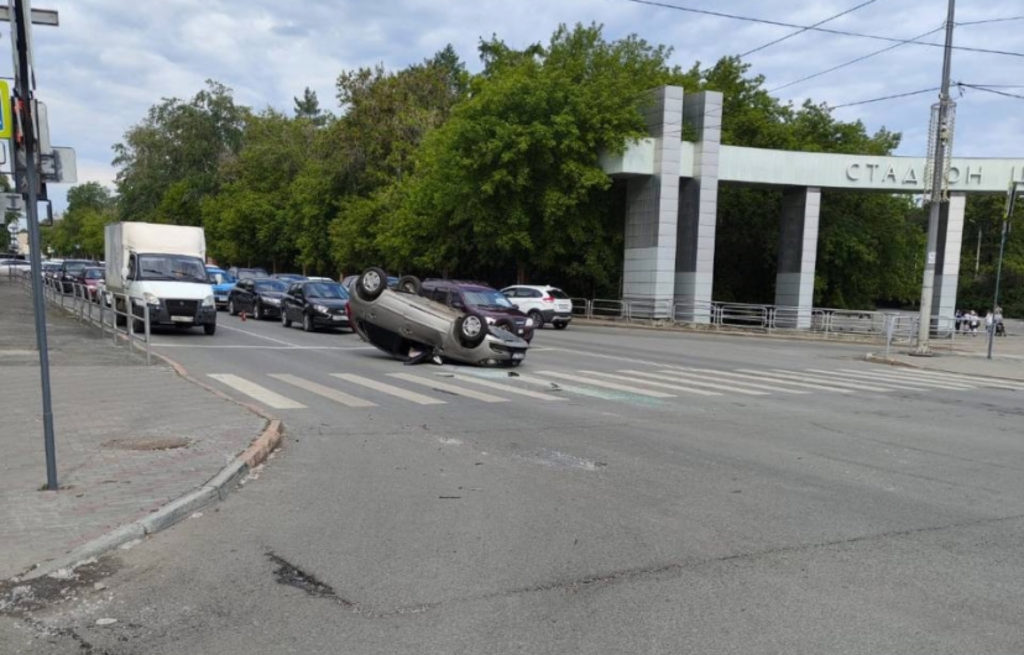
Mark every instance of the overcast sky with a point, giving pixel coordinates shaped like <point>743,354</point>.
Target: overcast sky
<point>110,60</point>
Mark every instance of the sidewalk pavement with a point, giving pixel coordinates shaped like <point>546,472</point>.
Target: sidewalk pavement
<point>130,438</point>
<point>967,355</point>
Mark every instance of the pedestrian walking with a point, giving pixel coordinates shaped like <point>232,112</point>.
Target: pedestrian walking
<point>973,320</point>
<point>998,318</point>
<point>958,319</point>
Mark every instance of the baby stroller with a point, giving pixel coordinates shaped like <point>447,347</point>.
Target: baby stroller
<point>1000,329</point>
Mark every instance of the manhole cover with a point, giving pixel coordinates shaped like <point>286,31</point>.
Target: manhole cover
<point>148,443</point>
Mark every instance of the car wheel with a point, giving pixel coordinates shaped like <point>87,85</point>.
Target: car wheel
<point>210,329</point>
<point>409,284</point>
<point>471,330</point>
<point>538,319</point>
<point>257,311</point>
<point>561,326</point>
<point>307,323</point>
<point>231,307</point>
<point>371,283</point>
<point>285,321</point>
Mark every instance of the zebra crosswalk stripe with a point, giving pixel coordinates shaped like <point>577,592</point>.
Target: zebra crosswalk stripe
<point>858,385</point>
<point>607,385</point>
<point>958,378</point>
<point>506,388</point>
<point>260,393</point>
<point>389,389</point>
<point>762,382</point>
<point>882,375</point>
<point>323,390</point>
<point>702,377</point>
<point>449,388</point>
<point>682,378</point>
<point>651,383</point>
<point>890,385</point>
<point>795,379</point>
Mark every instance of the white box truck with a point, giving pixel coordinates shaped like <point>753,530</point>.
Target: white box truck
<point>164,267</point>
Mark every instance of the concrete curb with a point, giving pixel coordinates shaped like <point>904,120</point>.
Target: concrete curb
<point>215,489</point>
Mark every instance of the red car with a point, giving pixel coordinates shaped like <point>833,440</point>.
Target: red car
<point>92,278</point>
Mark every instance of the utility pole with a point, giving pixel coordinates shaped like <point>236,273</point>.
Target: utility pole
<point>942,137</point>
<point>24,144</point>
<point>999,265</point>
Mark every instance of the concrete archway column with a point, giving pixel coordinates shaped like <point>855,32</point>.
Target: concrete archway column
<point>947,261</point>
<point>797,256</point>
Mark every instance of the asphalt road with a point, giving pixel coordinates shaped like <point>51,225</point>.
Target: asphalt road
<point>752,505</point>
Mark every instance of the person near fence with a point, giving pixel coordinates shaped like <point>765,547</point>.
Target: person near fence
<point>973,320</point>
<point>958,319</point>
<point>997,317</point>
<point>988,321</point>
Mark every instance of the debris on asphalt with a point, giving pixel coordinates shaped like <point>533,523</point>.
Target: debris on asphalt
<point>106,621</point>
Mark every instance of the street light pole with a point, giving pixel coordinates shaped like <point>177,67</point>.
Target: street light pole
<point>999,263</point>
<point>938,181</point>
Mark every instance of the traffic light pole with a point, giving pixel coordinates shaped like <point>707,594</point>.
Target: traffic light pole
<point>23,90</point>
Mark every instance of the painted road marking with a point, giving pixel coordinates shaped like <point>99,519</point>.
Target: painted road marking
<point>507,388</point>
<point>392,390</point>
<point>794,379</point>
<point>923,383</point>
<point>323,390</point>
<point>859,385</point>
<point>856,377</point>
<point>652,383</point>
<point>450,388</point>
<point>761,379</point>
<point>260,393</point>
<point>688,378</point>
<point>607,385</point>
<point>957,378</point>
<point>771,388</point>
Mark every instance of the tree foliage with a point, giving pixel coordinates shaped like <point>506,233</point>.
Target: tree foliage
<point>79,232</point>
<point>495,175</point>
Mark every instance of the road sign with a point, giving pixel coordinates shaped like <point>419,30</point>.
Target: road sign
<point>5,110</point>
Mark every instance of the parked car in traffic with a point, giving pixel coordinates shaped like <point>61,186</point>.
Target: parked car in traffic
<point>482,300</point>
<point>92,278</point>
<point>414,328</point>
<point>12,267</point>
<point>70,269</point>
<point>240,272</point>
<point>222,283</point>
<point>544,304</point>
<point>315,305</point>
<point>289,277</point>
<point>260,297</point>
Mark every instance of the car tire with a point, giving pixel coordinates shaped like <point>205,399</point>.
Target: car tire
<point>232,310</point>
<point>538,319</point>
<point>470,330</point>
<point>285,321</point>
<point>210,329</point>
<point>409,284</point>
<point>371,283</point>
<point>561,326</point>
<point>257,311</point>
<point>307,323</point>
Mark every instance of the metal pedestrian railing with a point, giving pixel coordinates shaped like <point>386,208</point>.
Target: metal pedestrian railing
<point>115,313</point>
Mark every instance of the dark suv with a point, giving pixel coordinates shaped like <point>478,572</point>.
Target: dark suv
<point>70,270</point>
<point>478,298</point>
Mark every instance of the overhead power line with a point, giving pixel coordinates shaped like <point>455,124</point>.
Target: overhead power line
<point>804,29</point>
<point>855,60</point>
<point>827,30</point>
<point>979,87</point>
<point>889,97</point>
<point>990,20</point>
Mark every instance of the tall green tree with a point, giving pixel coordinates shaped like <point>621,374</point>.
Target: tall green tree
<point>513,177</point>
<point>308,108</point>
<point>79,232</point>
<point>169,162</point>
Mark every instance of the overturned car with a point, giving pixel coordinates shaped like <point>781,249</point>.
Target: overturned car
<point>412,328</point>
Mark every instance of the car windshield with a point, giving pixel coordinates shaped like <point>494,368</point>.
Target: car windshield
<point>75,267</point>
<point>487,298</point>
<point>180,268</point>
<point>326,290</point>
<point>94,273</point>
<point>220,277</point>
<point>271,285</point>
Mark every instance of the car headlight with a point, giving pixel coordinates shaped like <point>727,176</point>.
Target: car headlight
<point>490,321</point>
<point>321,308</point>
<point>151,299</point>
<point>272,301</point>
<point>208,301</point>
<point>529,322</point>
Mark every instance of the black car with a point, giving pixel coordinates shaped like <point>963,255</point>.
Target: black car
<point>260,297</point>
<point>315,305</point>
<point>289,277</point>
<point>71,270</point>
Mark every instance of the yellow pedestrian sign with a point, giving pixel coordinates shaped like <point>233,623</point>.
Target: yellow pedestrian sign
<point>5,110</point>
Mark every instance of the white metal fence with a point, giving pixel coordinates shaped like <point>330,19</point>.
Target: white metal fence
<point>112,313</point>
